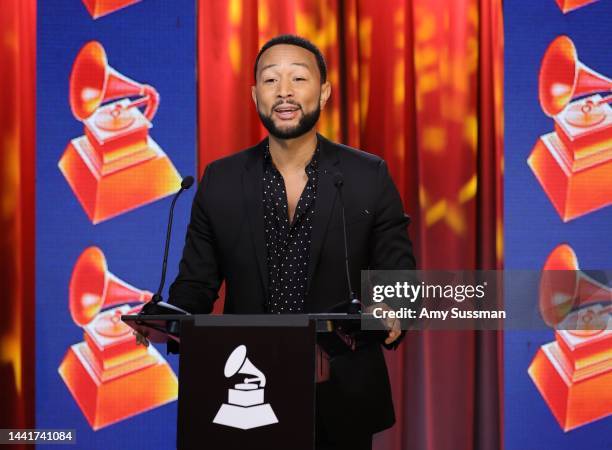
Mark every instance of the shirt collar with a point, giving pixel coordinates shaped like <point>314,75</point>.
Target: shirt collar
<point>312,165</point>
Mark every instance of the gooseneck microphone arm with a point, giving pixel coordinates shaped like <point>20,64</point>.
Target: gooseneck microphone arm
<point>354,306</point>
<point>185,184</point>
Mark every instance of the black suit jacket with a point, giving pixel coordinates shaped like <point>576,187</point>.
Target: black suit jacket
<point>225,241</point>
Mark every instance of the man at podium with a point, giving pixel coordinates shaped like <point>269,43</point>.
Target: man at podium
<point>268,222</point>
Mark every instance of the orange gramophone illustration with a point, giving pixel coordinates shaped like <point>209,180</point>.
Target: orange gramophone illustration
<point>116,166</point>
<point>570,5</point>
<point>99,8</point>
<point>574,163</point>
<point>110,377</point>
<point>574,372</point>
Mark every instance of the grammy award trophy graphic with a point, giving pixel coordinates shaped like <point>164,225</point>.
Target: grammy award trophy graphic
<point>115,166</point>
<point>571,5</point>
<point>574,162</point>
<point>111,377</point>
<point>100,8</point>
<point>245,407</point>
<point>574,372</point>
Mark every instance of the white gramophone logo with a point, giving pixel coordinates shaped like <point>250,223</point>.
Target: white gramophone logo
<point>245,407</point>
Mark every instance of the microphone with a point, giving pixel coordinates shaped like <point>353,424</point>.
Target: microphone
<point>186,183</point>
<point>354,305</point>
<point>157,297</point>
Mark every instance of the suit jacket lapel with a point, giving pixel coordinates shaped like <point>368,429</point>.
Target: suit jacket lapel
<point>324,204</point>
<point>252,185</point>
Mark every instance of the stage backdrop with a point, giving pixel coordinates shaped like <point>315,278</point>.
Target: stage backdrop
<point>419,83</point>
<point>415,81</point>
<point>558,192</point>
<point>115,134</point>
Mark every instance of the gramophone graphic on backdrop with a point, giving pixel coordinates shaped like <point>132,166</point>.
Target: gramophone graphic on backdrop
<point>116,166</point>
<point>574,163</point>
<point>570,5</point>
<point>111,377</point>
<point>99,8</point>
<point>574,372</point>
<point>245,407</point>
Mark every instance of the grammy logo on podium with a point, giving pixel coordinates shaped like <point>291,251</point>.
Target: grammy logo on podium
<point>109,376</point>
<point>116,166</point>
<point>574,163</point>
<point>245,407</point>
<point>574,372</point>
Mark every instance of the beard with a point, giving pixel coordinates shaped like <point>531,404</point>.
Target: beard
<point>306,123</point>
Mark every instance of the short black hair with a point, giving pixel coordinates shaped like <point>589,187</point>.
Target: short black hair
<point>292,39</point>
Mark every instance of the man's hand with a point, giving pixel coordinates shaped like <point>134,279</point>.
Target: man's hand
<point>393,325</point>
<point>140,339</point>
<point>395,330</point>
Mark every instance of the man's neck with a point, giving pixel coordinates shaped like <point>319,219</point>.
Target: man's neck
<point>293,154</point>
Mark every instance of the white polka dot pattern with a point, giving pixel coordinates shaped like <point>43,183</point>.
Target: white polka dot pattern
<point>287,244</point>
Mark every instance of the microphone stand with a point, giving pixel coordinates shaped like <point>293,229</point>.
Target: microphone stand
<point>153,306</point>
<point>354,305</point>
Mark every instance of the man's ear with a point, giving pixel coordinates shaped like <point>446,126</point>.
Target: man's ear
<point>325,93</point>
<point>254,95</point>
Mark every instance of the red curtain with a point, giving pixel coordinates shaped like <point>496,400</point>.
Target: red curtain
<point>418,82</point>
<point>17,97</point>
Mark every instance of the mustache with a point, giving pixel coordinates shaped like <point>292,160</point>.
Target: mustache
<point>285,102</point>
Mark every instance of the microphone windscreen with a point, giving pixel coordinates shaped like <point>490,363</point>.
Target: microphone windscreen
<point>338,179</point>
<point>187,182</point>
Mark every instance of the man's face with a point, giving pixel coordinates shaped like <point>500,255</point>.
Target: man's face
<point>288,92</point>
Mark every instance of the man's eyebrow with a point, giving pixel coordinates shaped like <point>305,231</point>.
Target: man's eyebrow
<point>293,64</point>
<point>267,67</point>
<point>301,64</point>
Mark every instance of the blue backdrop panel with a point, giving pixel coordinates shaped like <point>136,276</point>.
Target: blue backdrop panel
<point>153,42</point>
<point>532,226</point>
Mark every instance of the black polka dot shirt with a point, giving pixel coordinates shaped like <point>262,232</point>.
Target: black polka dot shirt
<point>287,244</point>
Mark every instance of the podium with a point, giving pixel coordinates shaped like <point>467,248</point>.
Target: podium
<point>248,381</point>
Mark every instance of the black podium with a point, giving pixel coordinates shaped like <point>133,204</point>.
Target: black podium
<point>248,381</point>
